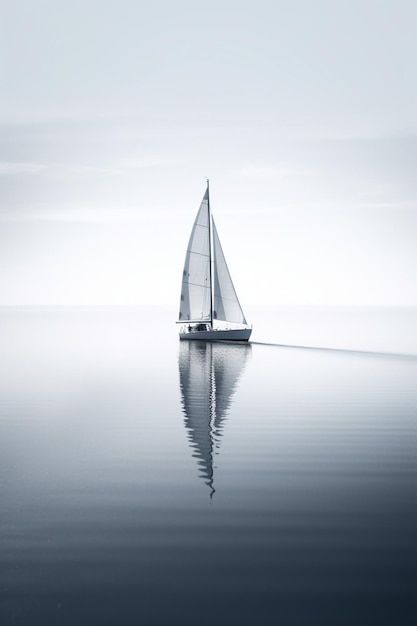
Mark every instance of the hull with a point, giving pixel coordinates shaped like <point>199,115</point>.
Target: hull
<point>240,334</point>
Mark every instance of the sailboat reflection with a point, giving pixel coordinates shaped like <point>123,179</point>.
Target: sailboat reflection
<point>209,375</point>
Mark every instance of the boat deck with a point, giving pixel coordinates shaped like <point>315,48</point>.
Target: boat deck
<point>238,334</point>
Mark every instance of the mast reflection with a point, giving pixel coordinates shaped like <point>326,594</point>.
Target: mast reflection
<point>209,376</point>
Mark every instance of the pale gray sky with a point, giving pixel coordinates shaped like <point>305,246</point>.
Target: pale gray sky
<point>303,114</point>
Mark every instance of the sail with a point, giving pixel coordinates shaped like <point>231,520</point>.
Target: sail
<point>195,302</point>
<point>225,303</point>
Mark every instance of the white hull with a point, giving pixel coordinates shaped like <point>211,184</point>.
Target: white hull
<point>238,334</point>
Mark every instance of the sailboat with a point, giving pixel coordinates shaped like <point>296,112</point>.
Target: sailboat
<point>209,307</point>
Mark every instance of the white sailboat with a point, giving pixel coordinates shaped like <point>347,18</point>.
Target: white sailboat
<point>209,307</point>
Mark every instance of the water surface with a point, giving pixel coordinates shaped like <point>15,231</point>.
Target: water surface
<point>144,481</point>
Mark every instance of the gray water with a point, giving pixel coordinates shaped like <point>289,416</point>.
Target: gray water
<point>144,481</point>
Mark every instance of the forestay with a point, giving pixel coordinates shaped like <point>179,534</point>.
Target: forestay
<point>226,305</point>
<point>195,302</point>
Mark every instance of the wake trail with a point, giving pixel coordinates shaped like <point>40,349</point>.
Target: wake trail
<point>396,355</point>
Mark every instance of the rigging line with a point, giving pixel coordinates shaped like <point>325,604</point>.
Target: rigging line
<point>222,297</point>
<point>199,253</point>
<point>201,319</point>
<point>187,282</point>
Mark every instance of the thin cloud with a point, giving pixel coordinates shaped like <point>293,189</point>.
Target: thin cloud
<point>70,214</point>
<point>12,168</point>
<point>268,172</point>
<point>93,215</point>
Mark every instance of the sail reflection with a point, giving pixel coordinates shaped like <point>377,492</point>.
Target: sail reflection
<point>209,375</point>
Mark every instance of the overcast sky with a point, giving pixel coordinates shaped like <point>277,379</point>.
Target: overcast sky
<point>303,114</point>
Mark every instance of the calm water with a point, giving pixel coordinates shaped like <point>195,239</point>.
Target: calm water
<point>147,482</point>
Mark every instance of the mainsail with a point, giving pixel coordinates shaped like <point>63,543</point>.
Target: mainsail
<point>226,305</point>
<point>195,302</point>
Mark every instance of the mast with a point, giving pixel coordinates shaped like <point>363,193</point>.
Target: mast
<point>210,246</point>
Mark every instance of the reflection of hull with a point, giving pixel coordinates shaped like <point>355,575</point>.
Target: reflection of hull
<point>237,334</point>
